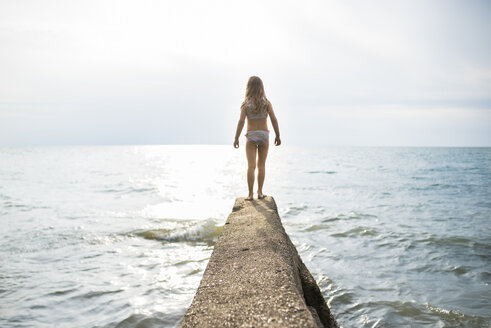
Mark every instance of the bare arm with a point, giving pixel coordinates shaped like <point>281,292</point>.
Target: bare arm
<point>274,123</point>
<point>240,126</point>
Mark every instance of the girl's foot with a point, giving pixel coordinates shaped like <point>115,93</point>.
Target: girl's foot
<point>260,196</point>
<point>250,197</point>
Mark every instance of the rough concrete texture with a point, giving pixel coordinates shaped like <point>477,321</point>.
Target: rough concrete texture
<point>255,277</point>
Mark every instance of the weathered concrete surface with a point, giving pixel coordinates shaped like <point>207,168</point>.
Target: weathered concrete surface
<point>255,277</point>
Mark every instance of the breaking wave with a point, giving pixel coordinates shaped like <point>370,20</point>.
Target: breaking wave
<point>201,231</point>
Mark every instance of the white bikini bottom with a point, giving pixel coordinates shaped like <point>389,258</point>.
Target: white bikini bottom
<point>259,137</point>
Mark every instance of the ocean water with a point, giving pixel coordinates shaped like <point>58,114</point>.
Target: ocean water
<point>119,236</point>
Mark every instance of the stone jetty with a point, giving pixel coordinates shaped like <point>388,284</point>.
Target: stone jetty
<point>255,277</point>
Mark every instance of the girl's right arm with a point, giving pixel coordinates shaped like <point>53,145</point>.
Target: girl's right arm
<point>274,123</point>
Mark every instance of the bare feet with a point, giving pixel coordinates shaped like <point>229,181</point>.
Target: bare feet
<point>260,196</point>
<point>250,197</point>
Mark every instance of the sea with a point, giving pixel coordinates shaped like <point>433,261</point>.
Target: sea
<point>119,236</point>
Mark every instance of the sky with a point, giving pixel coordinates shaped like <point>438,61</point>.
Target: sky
<point>362,73</point>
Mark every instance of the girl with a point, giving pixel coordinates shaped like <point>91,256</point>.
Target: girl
<point>256,107</point>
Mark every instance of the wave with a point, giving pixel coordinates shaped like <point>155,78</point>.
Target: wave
<point>455,318</point>
<point>147,321</point>
<point>350,216</point>
<point>397,313</point>
<point>62,292</point>
<point>127,190</point>
<point>294,210</point>
<point>332,219</point>
<point>356,232</point>
<point>9,205</point>
<point>316,227</point>
<point>322,172</point>
<point>455,241</point>
<point>202,231</point>
<point>96,293</point>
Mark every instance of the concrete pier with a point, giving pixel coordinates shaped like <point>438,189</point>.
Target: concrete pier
<point>255,277</point>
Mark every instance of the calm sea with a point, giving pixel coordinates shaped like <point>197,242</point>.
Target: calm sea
<point>120,236</point>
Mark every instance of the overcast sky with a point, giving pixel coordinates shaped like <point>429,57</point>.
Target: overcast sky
<point>398,73</point>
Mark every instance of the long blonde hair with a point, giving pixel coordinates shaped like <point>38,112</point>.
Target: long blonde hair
<point>255,97</point>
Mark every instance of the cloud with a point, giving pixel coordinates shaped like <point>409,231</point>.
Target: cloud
<point>175,71</point>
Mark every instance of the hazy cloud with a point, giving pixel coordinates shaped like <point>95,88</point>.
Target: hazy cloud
<point>337,72</point>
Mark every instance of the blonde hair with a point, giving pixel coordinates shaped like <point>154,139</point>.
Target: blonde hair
<point>255,97</point>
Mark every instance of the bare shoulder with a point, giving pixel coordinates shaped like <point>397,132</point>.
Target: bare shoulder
<point>243,106</point>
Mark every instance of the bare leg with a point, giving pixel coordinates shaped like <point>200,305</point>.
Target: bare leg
<point>251,166</point>
<point>262,153</point>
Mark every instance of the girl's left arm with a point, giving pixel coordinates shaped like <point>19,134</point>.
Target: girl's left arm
<point>240,126</point>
